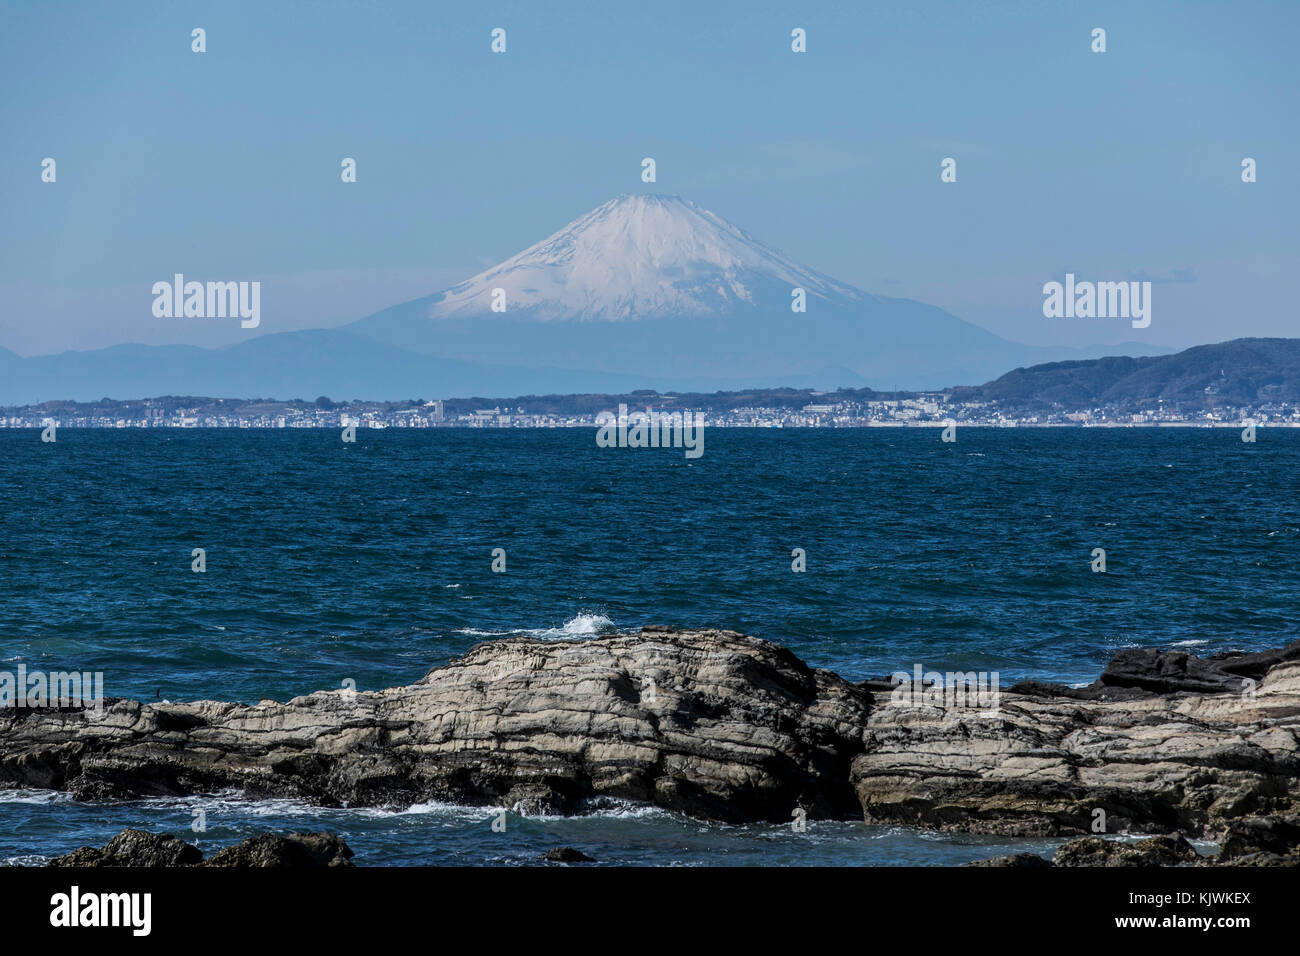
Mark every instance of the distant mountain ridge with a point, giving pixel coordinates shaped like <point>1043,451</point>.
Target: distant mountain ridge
<point>301,364</point>
<point>1256,373</point>
<point>1248,371</point>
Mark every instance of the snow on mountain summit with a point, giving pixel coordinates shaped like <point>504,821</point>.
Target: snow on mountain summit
<point>635,257</point>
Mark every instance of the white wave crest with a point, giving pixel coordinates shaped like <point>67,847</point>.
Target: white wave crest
<point>578,626</point>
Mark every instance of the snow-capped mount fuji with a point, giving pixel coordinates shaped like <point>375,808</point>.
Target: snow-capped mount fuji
<point>641,292</point>
<point>634,258</point>
<point>664,294</point>
<point>667,294</point>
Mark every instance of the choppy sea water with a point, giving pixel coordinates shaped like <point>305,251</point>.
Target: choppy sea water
<point>373,562</point>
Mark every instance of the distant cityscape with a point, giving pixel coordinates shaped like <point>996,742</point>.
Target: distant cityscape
<point>764,408</point>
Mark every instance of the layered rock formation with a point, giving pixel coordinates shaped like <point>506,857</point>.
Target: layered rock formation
<point>727,727</point>
<point>709,723</point>
<point>1116,755</point>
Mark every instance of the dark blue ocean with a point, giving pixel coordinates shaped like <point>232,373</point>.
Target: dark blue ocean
<point>373,562</point>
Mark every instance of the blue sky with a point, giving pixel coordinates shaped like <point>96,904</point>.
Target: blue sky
<point>226,164</point>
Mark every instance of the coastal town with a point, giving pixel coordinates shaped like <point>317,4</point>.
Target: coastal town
<point>787,408</point>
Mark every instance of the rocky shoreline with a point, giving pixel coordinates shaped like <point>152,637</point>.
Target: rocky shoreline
<point>725,727</point>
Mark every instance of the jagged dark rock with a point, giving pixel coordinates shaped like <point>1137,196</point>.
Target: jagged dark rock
<point>297,850</point>
<point>567,854</point>
<point>1278,835</point>
<point>1136,673</point>
<point>134,848</point>
<point>727,727</point>
<point>1154,851</point>
<point>1013,859</point>
<point>1264,859</point>
<point>138,848</point>
<point>1173,672</point>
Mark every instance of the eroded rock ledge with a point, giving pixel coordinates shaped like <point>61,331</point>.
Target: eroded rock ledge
<point>709,723</point>
<point>1055,760</point>
<point>726,727</point>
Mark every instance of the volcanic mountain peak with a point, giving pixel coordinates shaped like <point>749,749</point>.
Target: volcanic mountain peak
<point>635,257</point>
